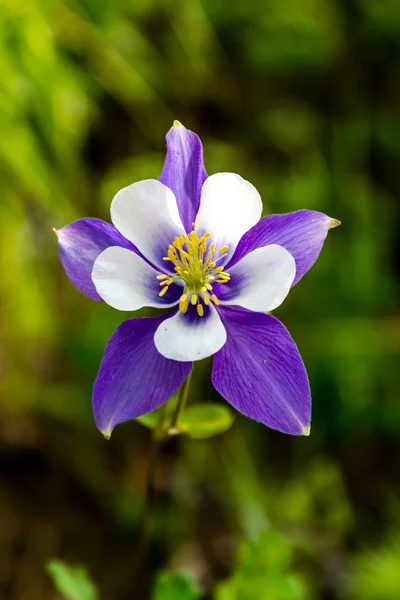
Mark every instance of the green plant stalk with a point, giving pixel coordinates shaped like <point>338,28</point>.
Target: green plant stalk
<point>159,435</point>
<point>182,400</point>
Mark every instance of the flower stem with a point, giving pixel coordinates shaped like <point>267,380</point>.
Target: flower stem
<point>180,407</point>
<point>160,434</point>
<point>141,568</point>
<point>158,437</point>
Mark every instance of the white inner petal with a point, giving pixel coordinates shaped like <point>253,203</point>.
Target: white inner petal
<point>262,279</point>
<point>146,213</point>
<point>229,207</point>
<point>187,338</point>
<point>125,281</point>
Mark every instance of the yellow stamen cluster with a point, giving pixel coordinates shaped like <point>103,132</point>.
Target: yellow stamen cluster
<point>196,264</point>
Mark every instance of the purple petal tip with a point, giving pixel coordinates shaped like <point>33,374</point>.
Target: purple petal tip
<point>333,223</point>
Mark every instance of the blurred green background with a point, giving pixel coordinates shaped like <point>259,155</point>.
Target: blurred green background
<point>299,97</point>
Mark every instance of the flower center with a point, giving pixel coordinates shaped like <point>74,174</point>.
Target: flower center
<point>196,264</point>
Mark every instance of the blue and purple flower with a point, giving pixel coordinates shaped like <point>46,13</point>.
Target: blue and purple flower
<point>196,245</point>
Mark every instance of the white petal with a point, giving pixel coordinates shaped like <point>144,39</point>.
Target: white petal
<point>262,279</point>
<point>146,213</point>
<point>188,337</point>
<point>126,282</point>
<point>229,207</point>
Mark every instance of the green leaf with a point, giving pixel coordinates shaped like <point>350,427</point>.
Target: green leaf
<point>198,422</point>
<point>149,420</point>
<point>176,586</point>
<point>73,583</point>
<point>152,419</point>
<point>263,572</point>
<point>206,420</point>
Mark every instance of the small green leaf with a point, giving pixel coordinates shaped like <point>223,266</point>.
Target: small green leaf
<point>152,419</point>
<point>176,586</point>
<point>206,420</point>
<point>73,583</point>
<point>149,420</point>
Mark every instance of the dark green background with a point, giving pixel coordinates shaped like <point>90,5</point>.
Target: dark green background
<point>301,98</point>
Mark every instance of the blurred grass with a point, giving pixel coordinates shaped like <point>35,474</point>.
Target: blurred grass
<point>301,98</point>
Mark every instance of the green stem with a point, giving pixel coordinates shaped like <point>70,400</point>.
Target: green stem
<point>160,434</point>
<point>141,568</point>
<point>180,407</point>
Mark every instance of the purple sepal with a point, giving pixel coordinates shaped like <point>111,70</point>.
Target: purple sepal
<point>134,378</point>
<point>260,372</point>
<point>302,233</point>
<point>81,242</point>
<point>184,171</point>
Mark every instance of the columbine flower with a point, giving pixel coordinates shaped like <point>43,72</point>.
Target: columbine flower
<point>196,244</point>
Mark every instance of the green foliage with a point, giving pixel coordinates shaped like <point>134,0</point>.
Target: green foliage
<point>175,586</point>
<point>199,422</point>
<point>162,415</point>
<point>315,500</point>
<point>376,573</point>
<point>150,420</point>
<point>73,583</point>
<point>206,420</point>
<point>263,572</point>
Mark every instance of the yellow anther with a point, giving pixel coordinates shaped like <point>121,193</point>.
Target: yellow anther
<point>195,266</point>
<point>200,310</point>
<point>183,306</point>
<point>215,299</point>
<point>194,225</point>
